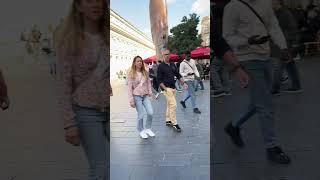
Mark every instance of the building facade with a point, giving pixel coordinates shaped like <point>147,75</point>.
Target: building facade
<point>205,31</point>
<point>126,42</point>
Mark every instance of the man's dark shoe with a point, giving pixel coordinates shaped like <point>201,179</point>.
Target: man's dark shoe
<point>234,133</point>
<point>169,123</point>
<point>275,92</point>
<point>276,155</point>
<point>196,110</point>
<point>294,90</point>
<point>217,94</point>
<point>177,128</point>
<point>183,104</point>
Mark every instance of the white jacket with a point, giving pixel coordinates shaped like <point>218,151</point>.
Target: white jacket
<point>185,69</point>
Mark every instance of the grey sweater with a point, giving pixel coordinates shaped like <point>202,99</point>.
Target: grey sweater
<point>240,23</point>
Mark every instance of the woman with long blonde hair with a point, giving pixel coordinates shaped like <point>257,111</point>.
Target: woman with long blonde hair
<point>139,91</point>
<point>83,81</point>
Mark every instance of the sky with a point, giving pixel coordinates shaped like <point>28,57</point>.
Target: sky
<point>137,11</point>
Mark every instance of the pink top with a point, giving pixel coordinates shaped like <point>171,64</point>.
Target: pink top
<point>83,80</point>
<point>139,86</point>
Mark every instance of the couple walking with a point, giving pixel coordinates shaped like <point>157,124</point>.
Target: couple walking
<point>139,91</point>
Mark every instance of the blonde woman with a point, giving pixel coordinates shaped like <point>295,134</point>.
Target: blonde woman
<point>83,81</point>
<point>139,90</point>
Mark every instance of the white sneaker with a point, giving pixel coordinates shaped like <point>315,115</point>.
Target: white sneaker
<point>157,95</point>
<point>149,132</point>
<point>143,134</point>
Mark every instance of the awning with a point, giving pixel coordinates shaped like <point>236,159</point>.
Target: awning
<point>172,58</point>
<point>201,53</point>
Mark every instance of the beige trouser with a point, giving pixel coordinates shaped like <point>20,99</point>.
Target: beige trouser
<point>171,105</point>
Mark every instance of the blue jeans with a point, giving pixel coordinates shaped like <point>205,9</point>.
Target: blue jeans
<point>93,129</point>
<point>141,104</point>
<point>220,77</point>
<point>190,93</point>
<point>293,74</point>
<point>178,85</point>
<point>260,100</point>
<point>199,81</point>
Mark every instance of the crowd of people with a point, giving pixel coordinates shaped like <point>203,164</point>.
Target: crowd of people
<point>308,22</point>
<point>147,81</point>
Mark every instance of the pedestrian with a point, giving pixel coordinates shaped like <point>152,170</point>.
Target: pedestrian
<point>189,72</point>
<point>248,25</point>
<point>289,28</point>
<point>221,48</point>
<point>221,79</point>
<point>4,99</point>
<point>47,49</point>
<point>199,80</point>
<point>139,91</point>
<point>178,84</point>
<point>83,82</point>
<point>167,72</point>
<point>154,79</point>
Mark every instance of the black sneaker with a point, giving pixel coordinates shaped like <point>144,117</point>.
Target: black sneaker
<point>294,90</point>
<point>169,123</point>
<point>216,94</point>
<point>183,104</point>
<point>196,110</point>
<point>234,133</point>
<point>276,155</point>
<point>177,128</point>
<point>275,92</point>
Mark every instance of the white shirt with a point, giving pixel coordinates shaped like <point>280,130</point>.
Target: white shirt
<point>187,67</point>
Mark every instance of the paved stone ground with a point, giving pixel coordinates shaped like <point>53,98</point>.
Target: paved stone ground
<point>298,127</point>
<point>168,156</point>
<point>31,132</point>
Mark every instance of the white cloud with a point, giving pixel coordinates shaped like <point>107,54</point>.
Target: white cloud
<point>200,6</point>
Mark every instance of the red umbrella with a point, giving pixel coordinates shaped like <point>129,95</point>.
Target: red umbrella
<point>172,58</point>
<point>201,53</point>
<point>150,59</point>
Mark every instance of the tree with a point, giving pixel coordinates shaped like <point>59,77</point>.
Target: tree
<point>185,35</point>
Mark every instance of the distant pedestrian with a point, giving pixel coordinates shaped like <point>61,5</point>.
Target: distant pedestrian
<point>4,99</point>
<point>49,54</point>
<point>199,80</point>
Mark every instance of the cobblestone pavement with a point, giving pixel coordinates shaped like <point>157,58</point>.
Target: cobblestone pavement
<point>168,156</point>
<point>298,127</point>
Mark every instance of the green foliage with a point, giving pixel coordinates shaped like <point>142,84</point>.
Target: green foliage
<point>185,35</point>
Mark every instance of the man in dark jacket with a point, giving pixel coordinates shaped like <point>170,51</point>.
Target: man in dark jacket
<point>289,28</point>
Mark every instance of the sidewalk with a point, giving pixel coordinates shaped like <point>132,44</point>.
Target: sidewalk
<point>298,127</point>
<point>168,156</point>
<point>31,131</point>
